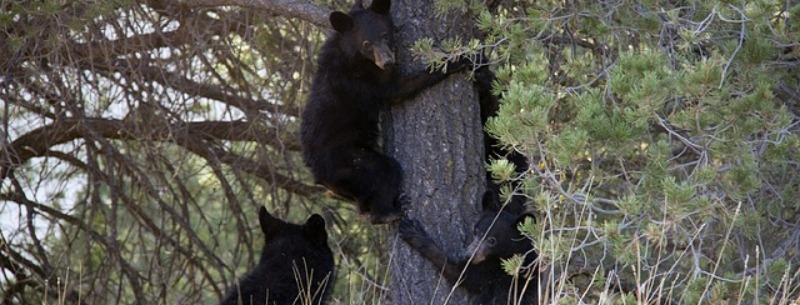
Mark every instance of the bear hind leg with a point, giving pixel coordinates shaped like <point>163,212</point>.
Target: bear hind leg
<point>370,179</point>
<point>380,177</point>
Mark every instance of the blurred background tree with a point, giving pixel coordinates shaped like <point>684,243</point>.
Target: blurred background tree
<point>140,137</point>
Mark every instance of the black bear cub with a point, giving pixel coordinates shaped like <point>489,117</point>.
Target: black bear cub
<point>296,265</point>
<point>339,130</point>
<point>496,237</point>
<point>489,105</point>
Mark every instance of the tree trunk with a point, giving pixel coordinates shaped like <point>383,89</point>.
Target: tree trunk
<point>436,137</point>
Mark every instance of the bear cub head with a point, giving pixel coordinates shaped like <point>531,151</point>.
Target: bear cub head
<point>283,237</point>
<point>496,234</point>
<point>296,265</point>
<point>367,33</point>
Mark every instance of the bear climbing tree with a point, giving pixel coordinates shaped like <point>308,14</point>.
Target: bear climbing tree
<point>355,80</point>
<point>478,269</point>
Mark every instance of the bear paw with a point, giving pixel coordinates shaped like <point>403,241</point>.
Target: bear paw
<point>386,217</point>
<point>410,229</point>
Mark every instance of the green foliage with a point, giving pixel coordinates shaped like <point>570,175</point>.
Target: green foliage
<point>664,140</point>
<point>512,265</point>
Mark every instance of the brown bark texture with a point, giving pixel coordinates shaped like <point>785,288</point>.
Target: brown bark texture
<point>436,137</point>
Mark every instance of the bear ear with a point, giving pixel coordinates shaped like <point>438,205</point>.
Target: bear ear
<point>381,6</point>
<point>315,228</point>
<point>341,22</point>
<point>269,224</point>
<point>491,202</point>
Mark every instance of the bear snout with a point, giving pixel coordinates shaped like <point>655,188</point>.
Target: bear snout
<point>476,250</point>
<point>383,57</point>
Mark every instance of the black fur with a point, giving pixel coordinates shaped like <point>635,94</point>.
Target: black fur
<point>496,237</point>
<point>490,105</point>
<point>355,80</point>
<point>296,265</point>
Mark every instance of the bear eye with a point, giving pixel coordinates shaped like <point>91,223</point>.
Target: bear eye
<point>367,45</point>
<point>491,241</point>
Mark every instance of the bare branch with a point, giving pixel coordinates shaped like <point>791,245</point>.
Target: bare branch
<point>287,8</point>
<point>38,141</point>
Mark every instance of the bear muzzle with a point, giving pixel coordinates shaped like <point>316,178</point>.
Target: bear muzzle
<point>477,249</point>
<point>383,57</point>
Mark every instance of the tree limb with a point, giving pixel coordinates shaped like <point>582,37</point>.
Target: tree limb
<point>288,8</point>
<point>38,141</point>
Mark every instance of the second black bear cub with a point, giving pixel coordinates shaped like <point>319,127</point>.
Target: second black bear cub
<point>495,238</point>
<point>339,130</point>
<point>490,105</point>
<point>296,265</point>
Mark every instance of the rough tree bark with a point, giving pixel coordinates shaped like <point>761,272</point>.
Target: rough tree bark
<point>436,138</point>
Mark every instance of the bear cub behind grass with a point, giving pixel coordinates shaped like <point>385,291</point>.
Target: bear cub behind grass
<point>355,80</point>
<point>296,265</point>
<point>495,237</point>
